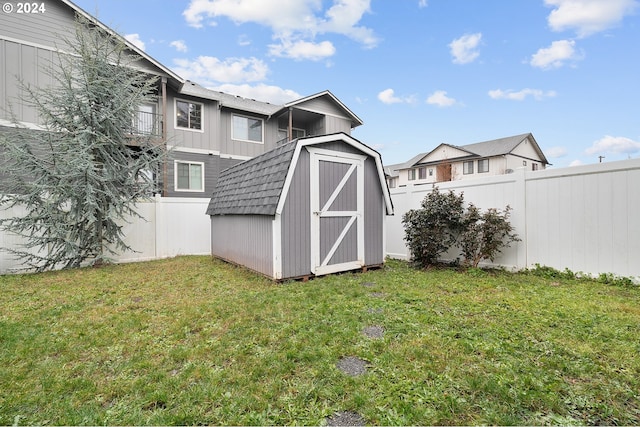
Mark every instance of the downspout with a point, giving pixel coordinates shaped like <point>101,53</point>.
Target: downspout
<point>290,130</point>
<point>164,135</point>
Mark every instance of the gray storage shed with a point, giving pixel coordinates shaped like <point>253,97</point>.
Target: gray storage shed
<point>313,206</point>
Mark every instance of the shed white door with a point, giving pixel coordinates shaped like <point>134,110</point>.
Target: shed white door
<point>337,211</point>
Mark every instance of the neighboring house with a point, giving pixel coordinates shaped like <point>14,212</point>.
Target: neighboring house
<point>451,163</point>
<point>207,130</point>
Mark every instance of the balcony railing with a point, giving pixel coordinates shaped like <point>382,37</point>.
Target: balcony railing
<point>146,123</point>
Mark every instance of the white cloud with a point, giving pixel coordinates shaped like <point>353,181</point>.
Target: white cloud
<point>464,49</point>
<point>244,40</point>
<point>587,17</point>
<point>209,70</point>
<point>555,55</point>
<point>423,3</point>
<point>388,96</point>
<point>556,152</point>
<point>303,50</point>
<point>266,93</point>
<point>614,144</point>
<point>179,45</point>
<point>576,163</point>
<point>440,99</point>
<point>299,20</point>
<point>521,95</point>
<point>135,40</point>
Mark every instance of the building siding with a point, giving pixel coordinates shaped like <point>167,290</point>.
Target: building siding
<point>322,105</point>
<point>213,165</point>
<point>244,239</point>
<point>46,29</point>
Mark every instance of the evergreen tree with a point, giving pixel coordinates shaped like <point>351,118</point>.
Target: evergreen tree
<point>78,179</point>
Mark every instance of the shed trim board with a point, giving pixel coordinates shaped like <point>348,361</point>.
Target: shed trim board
<point>313,140</point>
<point>321,211</point>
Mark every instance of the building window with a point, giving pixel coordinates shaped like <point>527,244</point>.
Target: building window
<point>412,174</point>
<point>534,166</point>
<point>430,172</point>
<point>189,176</point>
<point>422,173</point>
<point>467,168</point>
<point>246,129</point>
<point>483,165</point>
<point>188,115</point>
<point>392,182</point>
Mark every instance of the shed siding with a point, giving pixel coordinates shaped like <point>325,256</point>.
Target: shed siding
<point>296,222</point>
<point>373,215</point>
<point>245,240</point>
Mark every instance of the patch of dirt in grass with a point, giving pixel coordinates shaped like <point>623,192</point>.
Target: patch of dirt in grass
<point>346,418</point>
<point>375,310</point>
<point>374,331</point>
<point>368,284</point>
<point>378,294</point>
<point>352,366</point>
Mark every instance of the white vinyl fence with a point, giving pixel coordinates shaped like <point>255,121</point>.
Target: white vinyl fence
<point>584,218</point>
<point>172,226</point>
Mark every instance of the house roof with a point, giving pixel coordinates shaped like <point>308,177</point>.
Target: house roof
<point>129,45</point>
<point>187,87</point>
<point>229,101</point>
<point>496,147</point>
<point>355,120</point>
<point>491,148</point>
<point>255,186</point>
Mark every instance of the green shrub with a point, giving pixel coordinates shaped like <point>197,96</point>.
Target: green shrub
<point>431,230</point>
<point>443,222</point>
<point>485,234</point>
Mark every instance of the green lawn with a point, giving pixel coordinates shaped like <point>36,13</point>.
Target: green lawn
<point>192,340</point>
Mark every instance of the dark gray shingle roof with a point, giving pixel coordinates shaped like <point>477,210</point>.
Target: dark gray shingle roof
<point>253,187</point>
<point>492,148</point>
<point>495,147</point>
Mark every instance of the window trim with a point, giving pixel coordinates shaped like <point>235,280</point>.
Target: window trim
<point>175,176</point>
<point>480,168</point>
<point>247,140</point>
<point>422,172</point>
<point>175,115</point>
<point>467,167</point>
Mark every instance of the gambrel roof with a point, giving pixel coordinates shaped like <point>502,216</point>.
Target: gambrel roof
<point>256,186</point>
<point>253,186</point>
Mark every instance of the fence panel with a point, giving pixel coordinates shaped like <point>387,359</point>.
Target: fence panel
<point>170,226</point>
<point>584,218</point>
